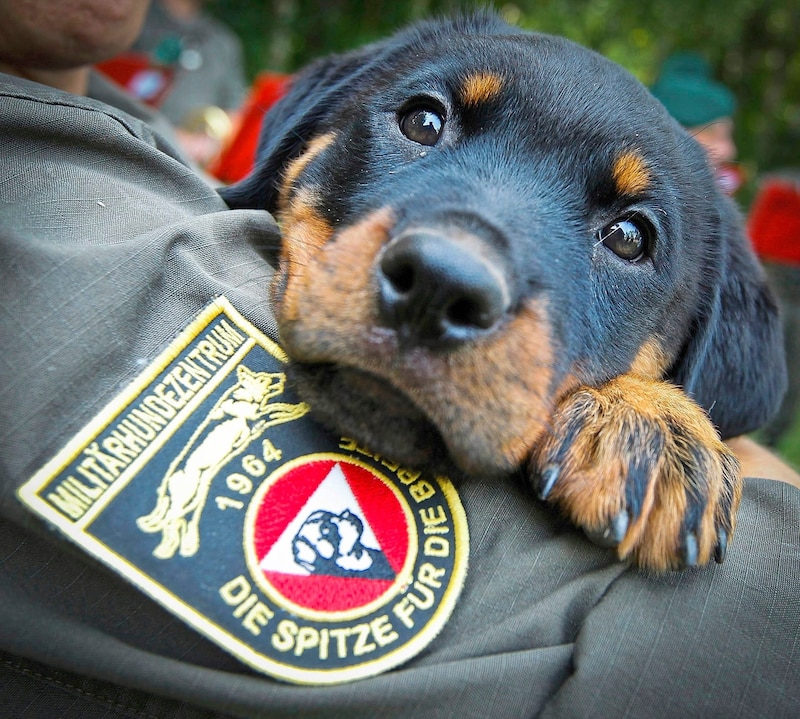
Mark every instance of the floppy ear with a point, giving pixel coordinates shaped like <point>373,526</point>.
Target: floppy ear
<point>734,364</point>
<point>292,122</point>
<point>320,91</point>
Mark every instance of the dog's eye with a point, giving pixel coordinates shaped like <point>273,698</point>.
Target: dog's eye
<point>422,125</point>
<point>626,238</point>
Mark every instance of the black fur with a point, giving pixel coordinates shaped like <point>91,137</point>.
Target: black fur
<point>571,111</point>
<point>527,174</point>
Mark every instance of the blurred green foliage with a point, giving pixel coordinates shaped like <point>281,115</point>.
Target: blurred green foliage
<point>752,44</point>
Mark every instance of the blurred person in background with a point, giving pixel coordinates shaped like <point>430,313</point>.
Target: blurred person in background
<point>705,108</point>
<point>59,49</point>
<point>774,228</point>
<point>207,83</point>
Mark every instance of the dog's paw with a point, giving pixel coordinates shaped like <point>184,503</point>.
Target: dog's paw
<point>638,465</point>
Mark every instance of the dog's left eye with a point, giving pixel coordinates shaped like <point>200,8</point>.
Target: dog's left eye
<point>422,125</point>
<point>626,238</point>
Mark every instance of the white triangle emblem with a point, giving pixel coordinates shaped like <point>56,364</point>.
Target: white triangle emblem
<point>332,497</point>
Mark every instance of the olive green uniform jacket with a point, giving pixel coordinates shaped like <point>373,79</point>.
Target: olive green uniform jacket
<point>110,246</point>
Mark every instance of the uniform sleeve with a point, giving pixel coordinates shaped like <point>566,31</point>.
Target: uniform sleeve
<point>716,642</point>
<point>109,245</point>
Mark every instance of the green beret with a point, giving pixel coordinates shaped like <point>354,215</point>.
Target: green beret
<point>690,94</point>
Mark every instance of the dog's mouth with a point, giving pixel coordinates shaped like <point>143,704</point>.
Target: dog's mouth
<point>473,382</point>
<point>373,412</point>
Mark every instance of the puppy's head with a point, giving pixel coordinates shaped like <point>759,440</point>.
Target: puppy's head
<point>477,220</point>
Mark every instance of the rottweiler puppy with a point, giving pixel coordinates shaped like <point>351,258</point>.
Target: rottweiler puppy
<point>500,252</point>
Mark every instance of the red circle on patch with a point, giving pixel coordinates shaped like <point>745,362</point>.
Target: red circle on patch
<point>329,535</point>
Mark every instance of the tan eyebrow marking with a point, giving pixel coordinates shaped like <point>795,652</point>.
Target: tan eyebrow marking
<point>631,174</point>
<point>480,87</point>
<point>296,167</point>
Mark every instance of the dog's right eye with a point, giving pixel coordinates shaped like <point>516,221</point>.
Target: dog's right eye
<point>628,238</point>
<point>422,125</point>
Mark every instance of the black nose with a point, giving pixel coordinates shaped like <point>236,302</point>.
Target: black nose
<point>439,291</point>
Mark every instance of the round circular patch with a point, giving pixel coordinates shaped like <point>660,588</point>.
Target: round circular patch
<point>361,563</point>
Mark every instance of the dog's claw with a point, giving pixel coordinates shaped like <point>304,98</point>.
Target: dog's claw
<point>613,533</point>
<point>547,480</point>
<point>722,546</point>
<point>690,550</point>
<point>652,487</point>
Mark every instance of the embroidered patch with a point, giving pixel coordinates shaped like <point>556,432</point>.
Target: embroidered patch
<point>207,484</point>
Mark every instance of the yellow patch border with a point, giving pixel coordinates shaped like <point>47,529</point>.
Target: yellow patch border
<point>29,495</point>
<point>28,492</point>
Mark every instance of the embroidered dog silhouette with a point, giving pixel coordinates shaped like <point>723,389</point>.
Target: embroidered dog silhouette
<point>331,544</point>
<point>240,416</point>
